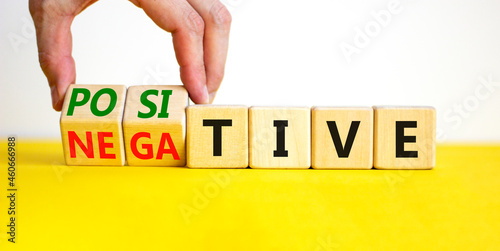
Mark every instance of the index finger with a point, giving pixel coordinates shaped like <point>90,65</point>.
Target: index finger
<point>187,28</point>
<point>215,43</point>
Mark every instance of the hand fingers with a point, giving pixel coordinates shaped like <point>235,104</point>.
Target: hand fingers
<point>187,28</point>
<point>52,21</point>
<point>215,43</point>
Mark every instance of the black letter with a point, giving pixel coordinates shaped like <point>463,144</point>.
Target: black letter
<point>334,132</point>
<point>401,139</point>
<point>280,138</point>
<point>217,124</point>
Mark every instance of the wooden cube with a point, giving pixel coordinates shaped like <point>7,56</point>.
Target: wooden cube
<point>154,125</point>
<point>280,137</point>
<point>405,137</point>
<point>342,138</point>
<point>217,136</point>
<point>91,125</point>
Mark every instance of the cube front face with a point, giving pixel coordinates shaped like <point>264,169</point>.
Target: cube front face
<point>279,137</point>
<point>154,125</point>
<point>405,137</point>
<point>91,125</point>
<point>217,136</point>
<point>342,138</point>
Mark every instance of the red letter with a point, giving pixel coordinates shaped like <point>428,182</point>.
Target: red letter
<point>89,150</point>
<point>171,150</point>
<point>103,145</point>
<point>148,147</point>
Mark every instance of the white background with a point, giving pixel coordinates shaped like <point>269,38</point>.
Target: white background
<point>437,53</point>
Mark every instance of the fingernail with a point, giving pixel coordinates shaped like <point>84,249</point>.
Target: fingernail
<point>212,96</point>
<point>206,97</point>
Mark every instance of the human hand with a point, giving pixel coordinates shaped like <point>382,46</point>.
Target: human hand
<point>200,34</point>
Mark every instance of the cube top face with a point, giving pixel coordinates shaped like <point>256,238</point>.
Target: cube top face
<point>405,137</point>
<point>222,111</point>
<point>212,107</point>
<point>91,125</point>
<point>158,104</point>
<point>342,137</point>
<point>88,103</point>
<point>394,107</point>
<point>341,108</point>
<point>217,136</point>
<point>280,137</point>
<point>154,125</point>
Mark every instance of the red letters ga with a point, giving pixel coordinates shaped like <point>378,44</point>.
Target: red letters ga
<point>165,139</point>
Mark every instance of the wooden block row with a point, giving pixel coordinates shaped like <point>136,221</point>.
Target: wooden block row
<point>100,125</point>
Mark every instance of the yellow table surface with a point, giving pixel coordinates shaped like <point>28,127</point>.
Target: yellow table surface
<point>59,207</point>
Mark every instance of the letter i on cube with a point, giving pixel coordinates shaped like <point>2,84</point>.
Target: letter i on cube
<point>280,137</point>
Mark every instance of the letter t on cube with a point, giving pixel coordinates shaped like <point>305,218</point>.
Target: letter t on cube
<point>217,136</point>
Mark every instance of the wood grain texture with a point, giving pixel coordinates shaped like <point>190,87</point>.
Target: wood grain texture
<point>154,125</point>
<point>355,122</point>
<point>415,124</point>
<point>206,148</point>
<point>100,136</point>
<point>264,137</point>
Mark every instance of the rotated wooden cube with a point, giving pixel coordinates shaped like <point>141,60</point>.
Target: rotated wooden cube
<point>154,125</point>
<point>404,137</point>
<point>280,137</point>
<point>217,136</point>
<point>91,125</point>
<point>342,137</point>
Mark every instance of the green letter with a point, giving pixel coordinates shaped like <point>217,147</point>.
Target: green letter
<point>112,102</point>
<point>74,97</point>
<point>164,105</point>
<point>148,103</point>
